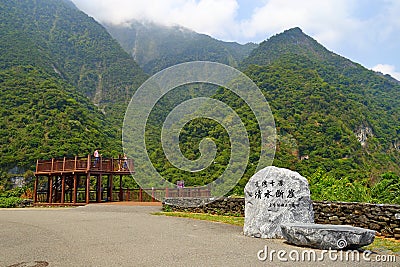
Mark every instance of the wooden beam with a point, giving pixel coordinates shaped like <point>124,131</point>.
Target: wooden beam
<point>35,189</point>
<point>87,188</point>
<point>63,167</point>
<point>75,163</point>
<point>98,195</point>
<point>75,189</point>
<point>120,188</point>
<point>110,184</point>
<point>63,189</point>
<point>88,163</point>
<point>50,200</point>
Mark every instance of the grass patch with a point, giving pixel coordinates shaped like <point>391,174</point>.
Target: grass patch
<point>384,245</point>
<point>205,217</point>
<point>380,245</point>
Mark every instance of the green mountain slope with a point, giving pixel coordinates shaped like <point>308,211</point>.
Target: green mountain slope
<point>64,81</point>
<point>292,41</point>
<point>44,117</point>
<point>340,128</point>
<point>56,36</point>
<point>332,115</point>
<point>156,47</point>
<point>376,95</point>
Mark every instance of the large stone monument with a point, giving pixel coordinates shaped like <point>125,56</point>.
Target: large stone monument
<point>274,196</point>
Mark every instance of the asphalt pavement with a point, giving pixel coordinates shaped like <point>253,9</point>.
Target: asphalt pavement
<point>113,235</point>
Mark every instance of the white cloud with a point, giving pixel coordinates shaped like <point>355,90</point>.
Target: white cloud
<point>205,16</point>
<point>363,31</point>
<point>387,69</point>
<point>328,21</point>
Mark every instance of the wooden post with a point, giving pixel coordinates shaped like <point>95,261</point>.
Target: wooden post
<point>99,188</point>
<point>62,188</point>
<point>75,191</point>
<point>50,189</point>
<point>75,163</point>
<point>111,187</point>
<point>35,189</point>
<point>152,194</point>
<point>140,195</point>
<point>166,192</point>
<point>120,188</point>
<point>87,188</point>
<point>63,167</point>
<point>88,163</point>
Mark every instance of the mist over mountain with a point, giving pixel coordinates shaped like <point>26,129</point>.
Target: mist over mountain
<point>157,47</point>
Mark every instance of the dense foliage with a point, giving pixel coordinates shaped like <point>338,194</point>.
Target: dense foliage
<point>65,84</point>
<point>65,42</point>
<point>321,103</point>
<point>64,81</point>
<point>318,116</point>
<point>326,187</point>
<point>43,117</point>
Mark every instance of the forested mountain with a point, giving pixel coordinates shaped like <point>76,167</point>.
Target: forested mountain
<point>44,117</point>
<point>64,83</point>
<point>338,123</point>
<point>335,109</point>
<point>334,117</point>
<point>60,39</point>
<point>156,47</point>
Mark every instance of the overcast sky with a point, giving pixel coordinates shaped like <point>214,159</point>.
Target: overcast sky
<point>365,31</point>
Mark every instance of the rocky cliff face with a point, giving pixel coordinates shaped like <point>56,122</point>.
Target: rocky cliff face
<point>396,145</point>
<point>363,133</point>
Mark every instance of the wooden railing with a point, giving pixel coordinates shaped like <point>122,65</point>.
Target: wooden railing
<point>124,194</point>
<point>82,164</point>
<point>143,195</point>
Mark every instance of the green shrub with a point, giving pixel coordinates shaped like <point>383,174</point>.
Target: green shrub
<point>9,202</point>
<point>324,186</point>
<point>16,192</point>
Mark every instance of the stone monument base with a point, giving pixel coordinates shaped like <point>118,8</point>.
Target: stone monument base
<point>327,236</point>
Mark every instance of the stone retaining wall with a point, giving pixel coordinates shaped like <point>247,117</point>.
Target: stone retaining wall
<point>379,217</point>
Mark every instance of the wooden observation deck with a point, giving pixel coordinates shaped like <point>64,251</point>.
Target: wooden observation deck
<point>84,165</point>
<point>79,180</point>
<point>82,180</point>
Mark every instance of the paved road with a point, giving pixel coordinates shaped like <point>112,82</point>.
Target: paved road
<point>109,235</point>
